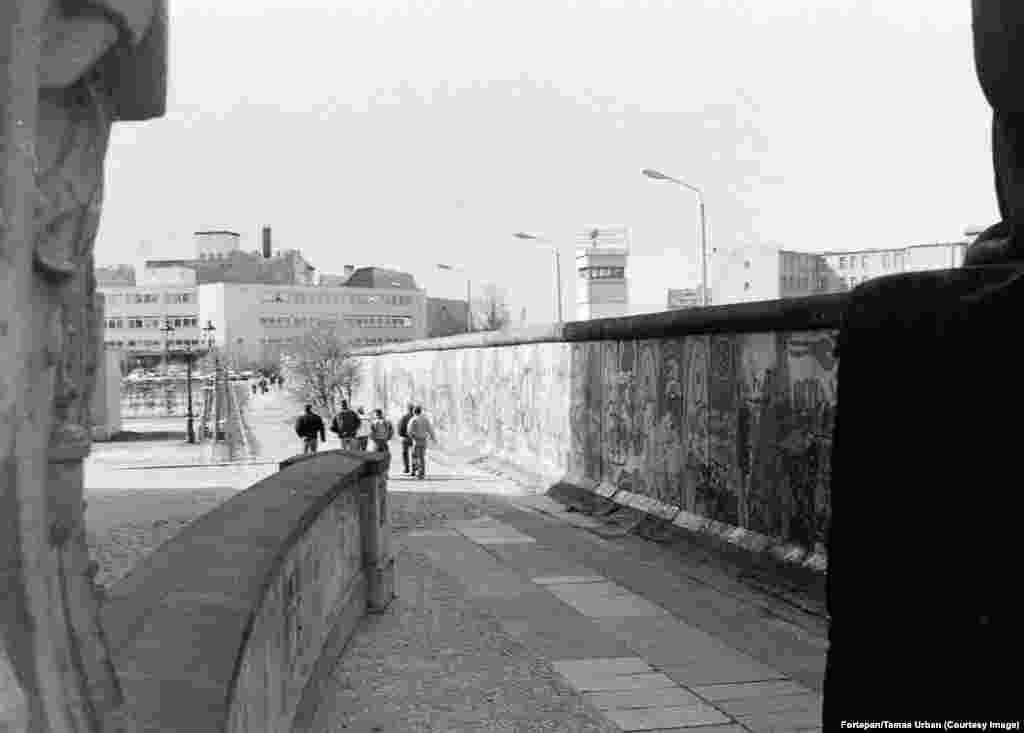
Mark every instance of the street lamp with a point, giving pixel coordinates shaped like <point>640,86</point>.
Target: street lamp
<point>208,330</point>
<point>558,263</point>
<point>190,431</point>
<point>168,329</point>
<point>469,303</point>
<point>658,176</point>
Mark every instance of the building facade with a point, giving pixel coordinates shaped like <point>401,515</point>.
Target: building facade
<point>602,285</point>
<point>755,272</point>
<point>253,300</point>
<point>253,320</point>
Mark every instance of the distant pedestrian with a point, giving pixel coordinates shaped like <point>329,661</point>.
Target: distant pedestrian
<point>263,385</point>
<point>403,433</point>
<point>345,425</point>
<point>254,387</point>
<point>381,431</point>
<point>280,381</point>
<point>309,426</point>
<point>420,430</point>
<point>363,431</point>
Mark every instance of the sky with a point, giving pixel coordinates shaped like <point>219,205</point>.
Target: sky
<point>405,135</point>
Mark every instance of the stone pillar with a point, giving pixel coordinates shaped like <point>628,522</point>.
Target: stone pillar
<point>375,527</point>
<point>64,79</point>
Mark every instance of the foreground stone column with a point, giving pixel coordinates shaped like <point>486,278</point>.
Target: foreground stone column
<point>375,524</point>
<point>67,71</point>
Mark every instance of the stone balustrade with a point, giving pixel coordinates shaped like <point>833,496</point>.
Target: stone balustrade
<point>235,623</point>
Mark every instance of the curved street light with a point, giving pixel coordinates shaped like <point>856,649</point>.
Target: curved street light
<point>659,176</point>
<point>544,241</point>
<point>469,303</point>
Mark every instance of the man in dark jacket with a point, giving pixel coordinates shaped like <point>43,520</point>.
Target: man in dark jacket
<point>308,427</point>
<point>403,433</point>
<point>346,424</point>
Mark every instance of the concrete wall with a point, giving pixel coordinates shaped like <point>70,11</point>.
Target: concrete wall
<point>236,623</point>
<point>726,412</point>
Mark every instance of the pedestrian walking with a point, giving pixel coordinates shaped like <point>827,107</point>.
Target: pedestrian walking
<point>363,431</point>
<point>420,430</point>
<point>381,432</point>
<point>309,426</point>
<point>345,424</point>
<point>254,388</point>
<point>403,433</point>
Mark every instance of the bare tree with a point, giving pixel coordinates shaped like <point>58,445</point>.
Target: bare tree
<point>490,309</point>
<point>320,368</point>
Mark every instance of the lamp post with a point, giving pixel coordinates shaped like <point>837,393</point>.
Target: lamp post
<point>168,329</point>
<point>208,330</point>
<point>658,176</point>
<point>543,241</point>
<point>469,302</point>
<point>190,432</point>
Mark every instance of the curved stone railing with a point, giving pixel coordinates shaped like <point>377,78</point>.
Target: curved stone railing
<point>234,624</point>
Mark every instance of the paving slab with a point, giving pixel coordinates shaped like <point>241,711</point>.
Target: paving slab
<point>536,560</point>
<point>618,607</point>
<point>568,579</point>
<point>721,669</point>
<point>602,666</point>
<point>772,704</point>
<point>610,683</point>
<point>666,641</point>
<point>650,698</point>
<point>745,690</point>
<point>645,719</point>
<point>783,722</point>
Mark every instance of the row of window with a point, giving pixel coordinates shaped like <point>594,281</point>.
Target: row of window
<point>152,322</point>
<point>142,298</point>
<point>897,259</point>
<point>357,321</point>
<point>150,343</point>
<point>602,273</point>
<point>337,299</point>
<point>355,342</point>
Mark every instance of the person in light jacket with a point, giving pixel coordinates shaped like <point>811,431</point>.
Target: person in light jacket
<point>420,430</point>
<point>363,431</point>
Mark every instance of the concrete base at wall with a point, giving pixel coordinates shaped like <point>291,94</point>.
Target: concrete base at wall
<point>744,550</point>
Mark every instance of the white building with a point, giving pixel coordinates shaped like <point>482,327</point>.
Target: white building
<point>252,320</point>
<point>135,315</point>
<point>760,272</point>
<point>602,289</point>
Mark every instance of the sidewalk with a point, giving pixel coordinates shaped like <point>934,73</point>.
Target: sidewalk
<point>517,621</point>
<point>515,615</point>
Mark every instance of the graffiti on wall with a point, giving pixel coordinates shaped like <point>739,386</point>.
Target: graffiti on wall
<point>734,427</point>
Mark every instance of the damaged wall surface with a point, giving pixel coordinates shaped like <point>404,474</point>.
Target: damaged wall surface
<point>735,427</point>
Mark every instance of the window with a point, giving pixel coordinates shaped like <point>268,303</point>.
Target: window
<point>746,286</point>
<point>746,264</point>
<point>175,298</point>
<point>864,261</point>
<point>842,263</point>
<point>885,261</point>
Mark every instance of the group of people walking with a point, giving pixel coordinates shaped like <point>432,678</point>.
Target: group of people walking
<point>356,430</point>
<point>263,385</point>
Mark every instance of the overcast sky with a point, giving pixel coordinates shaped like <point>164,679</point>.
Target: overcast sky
<point>408,134</point>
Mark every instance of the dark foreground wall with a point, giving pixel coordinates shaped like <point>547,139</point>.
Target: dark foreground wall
<point>726,412</point>
<point>235,623</point>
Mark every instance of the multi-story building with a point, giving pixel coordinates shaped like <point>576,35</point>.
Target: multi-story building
<point>756,272</point>
<point>250,306</point>
<point>251,320</point>
<point>602,288</point>
<point>136,314</point>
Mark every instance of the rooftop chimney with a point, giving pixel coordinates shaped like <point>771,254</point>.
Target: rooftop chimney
<point>266,243</point>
